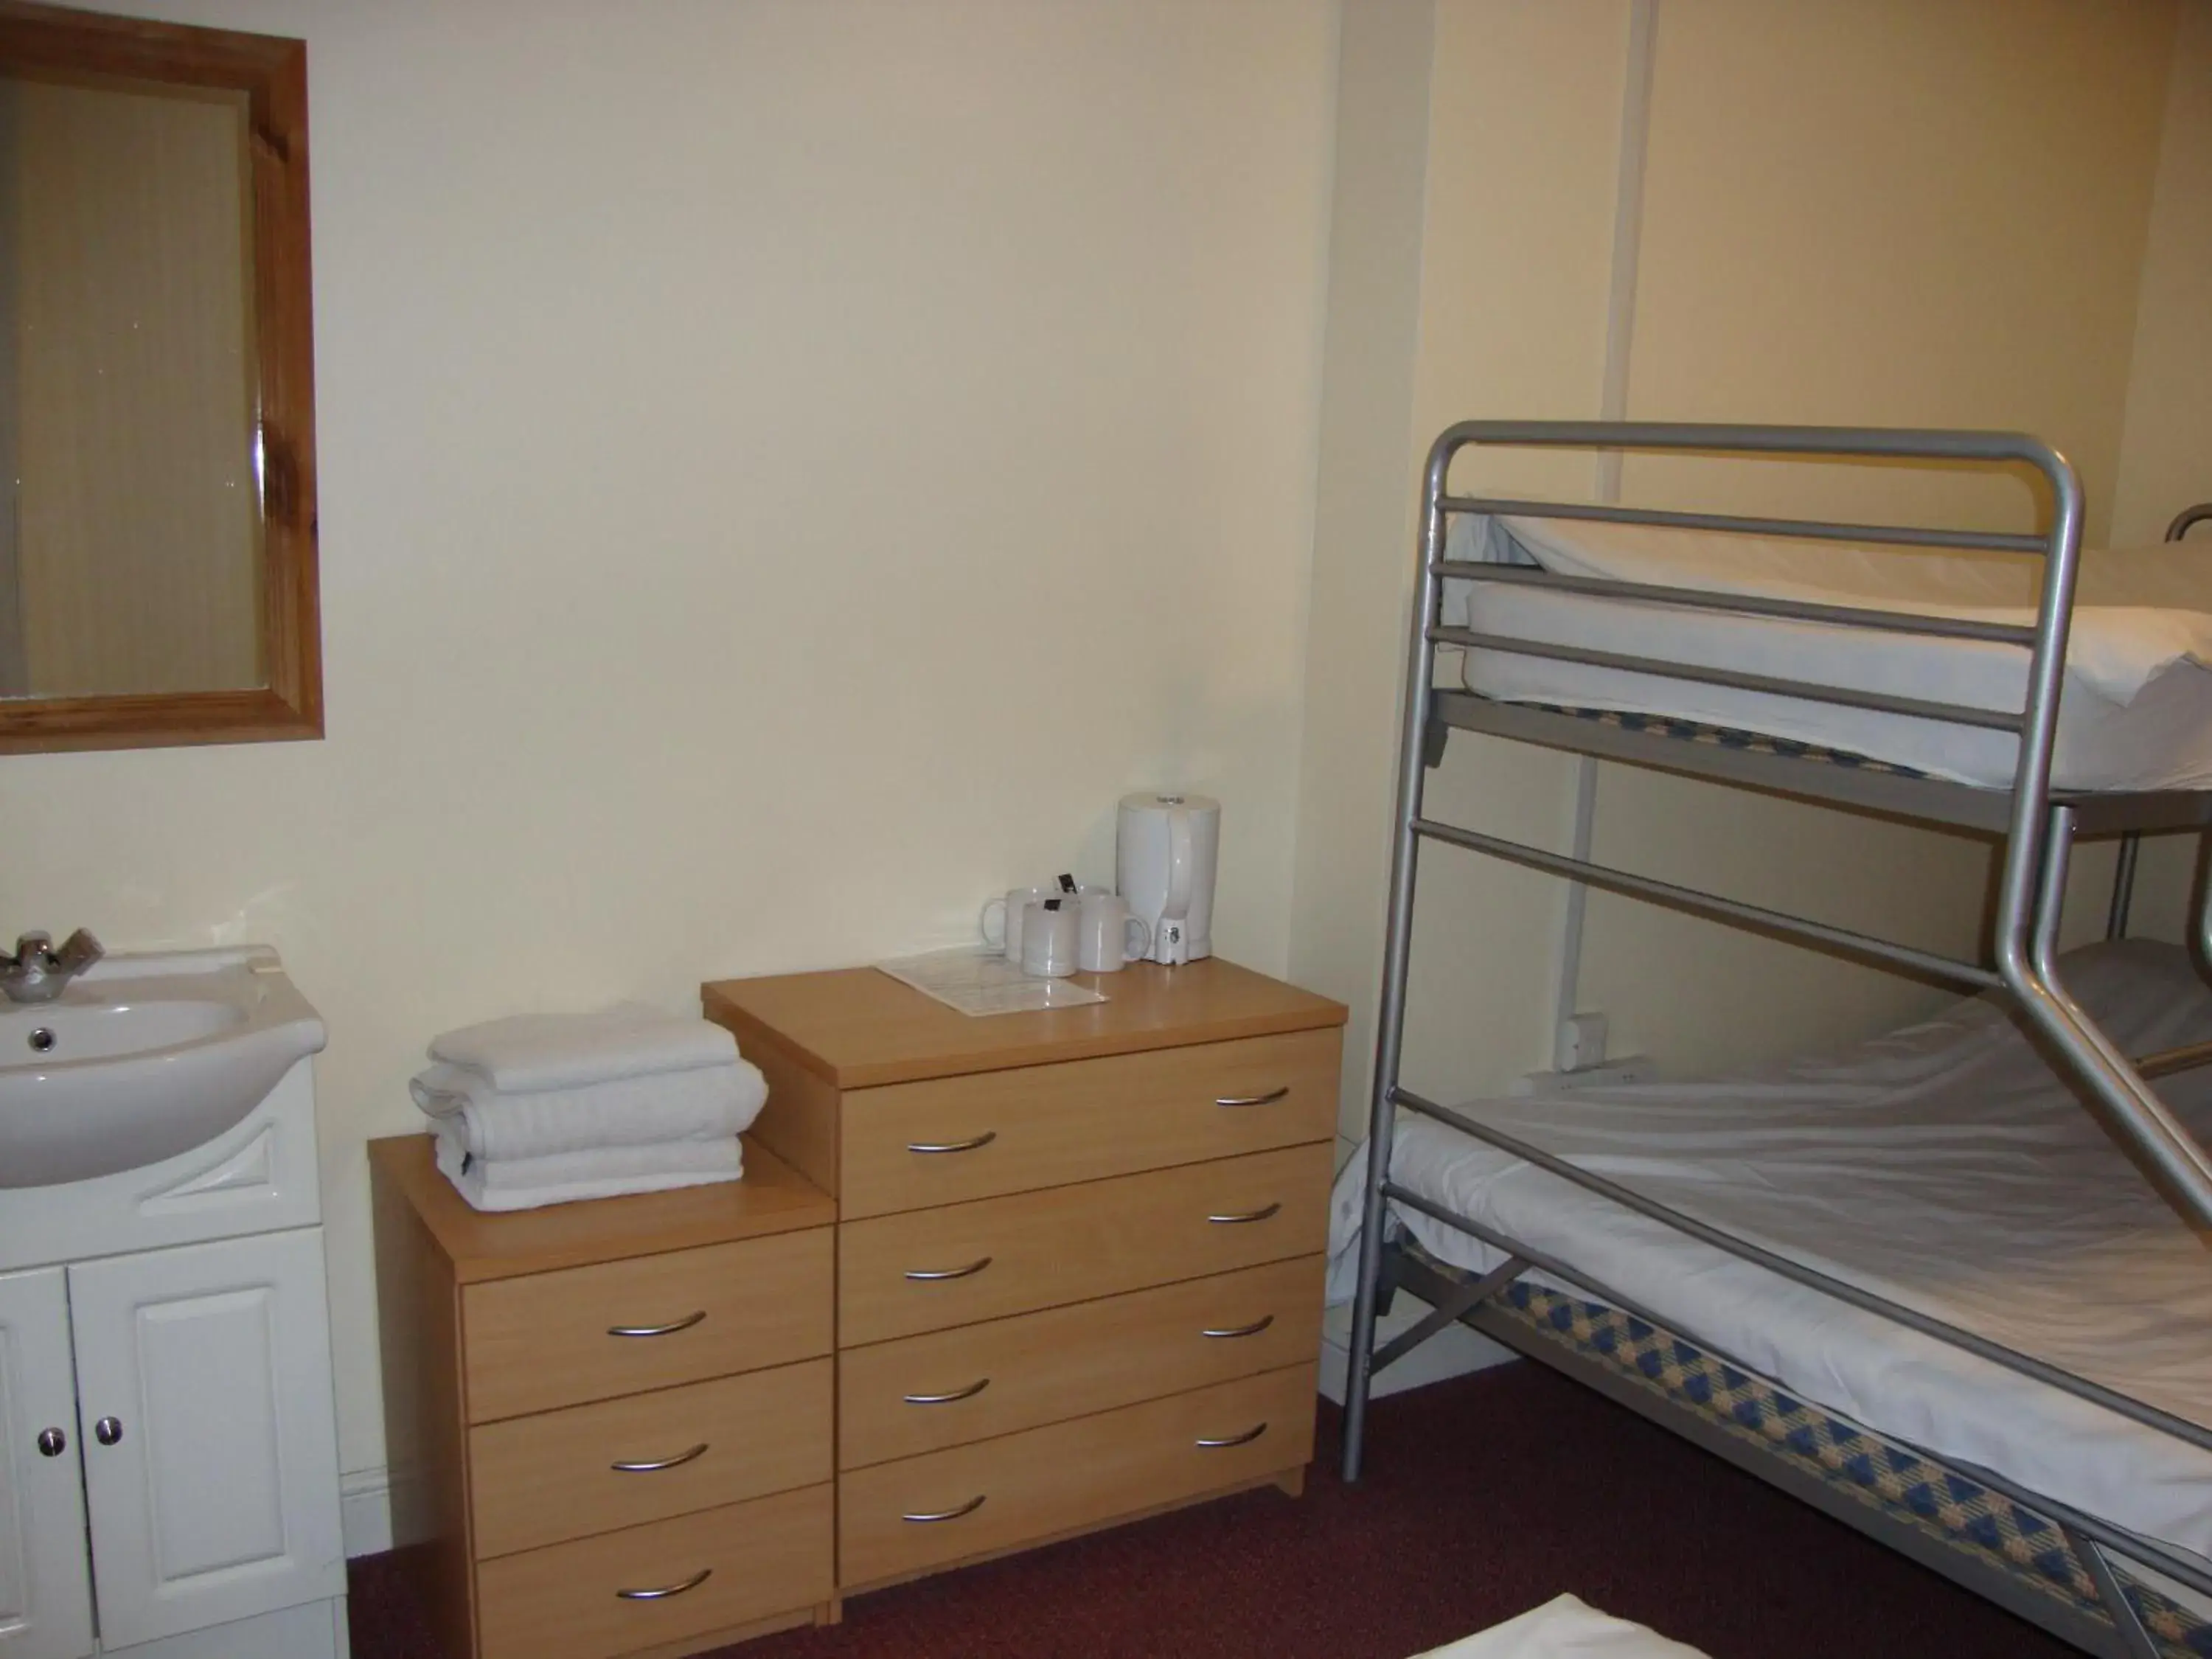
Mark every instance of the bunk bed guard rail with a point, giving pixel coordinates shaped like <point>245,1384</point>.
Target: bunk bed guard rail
<point>2038,831</point>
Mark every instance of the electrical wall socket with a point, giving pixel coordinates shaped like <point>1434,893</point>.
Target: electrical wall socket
<point>1581,1043</point>
<point>1631,1068</point>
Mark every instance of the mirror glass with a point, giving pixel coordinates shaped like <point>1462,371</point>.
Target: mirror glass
<point>157,498</point>
<point>131,555</point>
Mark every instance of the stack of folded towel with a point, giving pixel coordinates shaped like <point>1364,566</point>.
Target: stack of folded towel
<point>544,1109</point>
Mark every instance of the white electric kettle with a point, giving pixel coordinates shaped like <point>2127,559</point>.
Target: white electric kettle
<point>1166,851</point>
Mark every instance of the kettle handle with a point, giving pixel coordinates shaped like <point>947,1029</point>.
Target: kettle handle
<point>1179,865</point>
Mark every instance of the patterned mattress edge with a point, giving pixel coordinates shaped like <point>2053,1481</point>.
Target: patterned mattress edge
<point>1726,737</point>
<point>1937,1501</point>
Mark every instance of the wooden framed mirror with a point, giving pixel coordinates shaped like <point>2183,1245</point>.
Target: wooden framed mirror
<point>157,427</point>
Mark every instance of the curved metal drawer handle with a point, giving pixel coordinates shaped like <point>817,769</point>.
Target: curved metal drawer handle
<point>1267,1099</point>
<point>660,1464</point>
<point>667,1590</point>
<point>1243,1215</point>
<point>928,1516</point>
<point>670,1329</point>
<point>1243,1439</point>
<point>938,1275</point>
<point>968,1393</point>
<point>1252,1329</point>
<point>983,1139</point>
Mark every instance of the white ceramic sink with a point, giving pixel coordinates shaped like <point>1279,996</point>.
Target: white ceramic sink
<point>144,1058</point>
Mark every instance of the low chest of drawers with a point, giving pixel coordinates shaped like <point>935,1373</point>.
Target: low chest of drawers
<point>611,1426</point>
<point>1079,1251</point>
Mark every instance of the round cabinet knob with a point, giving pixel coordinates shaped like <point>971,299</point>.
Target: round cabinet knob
<point>107,1431</point>
<point>51,1443</point>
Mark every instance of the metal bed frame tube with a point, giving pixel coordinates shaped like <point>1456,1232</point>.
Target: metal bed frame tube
<point>2162,1144</point>
<point>2136,1118</point>
<point>1391,1020</point>
<point>1709,904</point>
<point>1843,615</point>
<point>1953,713</point>
<point>1806,529</point>
<point>2036,839</point>
<point>2123,885</point>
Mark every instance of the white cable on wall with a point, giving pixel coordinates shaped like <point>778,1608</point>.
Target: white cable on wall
<point>1612,405</point>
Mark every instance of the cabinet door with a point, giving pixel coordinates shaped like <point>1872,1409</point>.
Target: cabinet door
<point>214,1490</point>
<point>45,1591</point>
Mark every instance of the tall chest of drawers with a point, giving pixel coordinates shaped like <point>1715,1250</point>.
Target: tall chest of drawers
<point>1079,1251</point>
<point>611,1425</point>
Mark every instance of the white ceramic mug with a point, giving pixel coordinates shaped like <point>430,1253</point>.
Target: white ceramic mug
<point>1109,937</point>
<point>1049,930</point>
<point>1007,912</point>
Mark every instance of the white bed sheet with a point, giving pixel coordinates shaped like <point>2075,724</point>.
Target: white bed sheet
<point>2136,711</point>
<point>1940,1166</point>
<point>1565,1628</point>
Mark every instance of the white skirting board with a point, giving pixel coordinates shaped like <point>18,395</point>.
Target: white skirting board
<point>313,1629</point>
<point>1452,1352</point>
<point>365,1511</point>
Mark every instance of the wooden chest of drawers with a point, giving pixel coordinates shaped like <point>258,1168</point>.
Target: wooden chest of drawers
<point>1079,1252</point>
<point>609,1424</point>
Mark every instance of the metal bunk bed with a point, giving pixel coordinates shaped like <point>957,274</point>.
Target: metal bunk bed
<point>2073,1586</point>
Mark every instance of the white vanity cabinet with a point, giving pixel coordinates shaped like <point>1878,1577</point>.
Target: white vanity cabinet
<point>192,1440</point>
<point>46,1577</point>
<point>210,1472</point>
<point>167,1322</point>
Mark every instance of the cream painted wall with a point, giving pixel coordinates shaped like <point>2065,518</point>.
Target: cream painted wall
<point>1887,213</point>
<point>2166,449</point>
<point>1490,275</point>
<point>1846,218</point>
<point>1362,570</point>
<point>786,470</point>
<point>1890,212</point>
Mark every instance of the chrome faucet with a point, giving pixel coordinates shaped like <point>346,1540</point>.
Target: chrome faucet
<point>38,973</point>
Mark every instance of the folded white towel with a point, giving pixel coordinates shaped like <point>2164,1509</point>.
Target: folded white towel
<point>526,1053</point>
<point>723,1155</point>
<point>704,1103</point>
<point>474,1179</point>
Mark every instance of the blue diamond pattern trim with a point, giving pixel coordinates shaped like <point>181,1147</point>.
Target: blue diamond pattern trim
<point>1729,737</point>
<point>1940,1503</point>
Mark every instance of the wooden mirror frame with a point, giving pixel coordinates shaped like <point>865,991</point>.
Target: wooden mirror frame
<point>272,72</point>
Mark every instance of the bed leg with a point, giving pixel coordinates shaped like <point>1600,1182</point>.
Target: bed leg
<point>2123,885</point>
<point>2135,1642</point>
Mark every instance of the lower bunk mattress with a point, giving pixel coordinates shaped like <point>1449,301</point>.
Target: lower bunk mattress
<point>2137,709</point>
<point>1941,1167</point>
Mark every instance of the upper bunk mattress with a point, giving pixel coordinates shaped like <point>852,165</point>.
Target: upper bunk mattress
<point>2136,714</point>
<point>1943,1167</point>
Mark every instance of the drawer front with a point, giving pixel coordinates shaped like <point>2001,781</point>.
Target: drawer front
<point>757,1559</point>
<point>928,1270</point>
<point>923,1393</point>
<point>1053,1479</point>
<point>558,1476</point>
<point>1046,1126</point>
<point>544,1342</point>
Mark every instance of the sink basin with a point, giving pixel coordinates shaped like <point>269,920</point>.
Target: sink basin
<point>142,1058</point>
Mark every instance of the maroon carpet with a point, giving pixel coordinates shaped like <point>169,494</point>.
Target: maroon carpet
<point>1483,1496</point>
